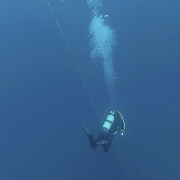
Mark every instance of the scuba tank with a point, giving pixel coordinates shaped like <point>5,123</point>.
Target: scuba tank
<point>108,122</point>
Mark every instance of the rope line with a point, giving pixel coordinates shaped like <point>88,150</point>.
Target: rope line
<point>86,87</point>
<point>121,161</point>
<point>73,59</point>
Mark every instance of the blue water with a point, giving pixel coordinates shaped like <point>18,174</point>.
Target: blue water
<point>43,100</point>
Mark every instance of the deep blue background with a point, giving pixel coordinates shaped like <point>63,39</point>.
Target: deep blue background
<point>43,100</point>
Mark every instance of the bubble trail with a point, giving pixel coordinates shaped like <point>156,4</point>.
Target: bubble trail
<point>102,42</point>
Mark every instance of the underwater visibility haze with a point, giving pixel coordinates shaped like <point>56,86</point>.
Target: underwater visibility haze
<point>54,53</point>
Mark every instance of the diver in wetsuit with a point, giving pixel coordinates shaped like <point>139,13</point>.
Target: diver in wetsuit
<point>113,125</point>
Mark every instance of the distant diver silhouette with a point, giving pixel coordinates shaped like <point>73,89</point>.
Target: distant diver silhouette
<point>113,124</point>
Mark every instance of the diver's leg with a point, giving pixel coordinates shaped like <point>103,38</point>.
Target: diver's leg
<point>90,137</point>
<point>107,145</point>
<point>93,143</point>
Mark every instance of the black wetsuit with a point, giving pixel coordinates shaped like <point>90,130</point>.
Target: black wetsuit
<point>105,136</point>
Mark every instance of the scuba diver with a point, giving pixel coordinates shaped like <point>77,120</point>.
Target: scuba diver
<point>113,125</point>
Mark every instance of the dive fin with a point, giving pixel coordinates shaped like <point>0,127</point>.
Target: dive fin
<point>88,133</point>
